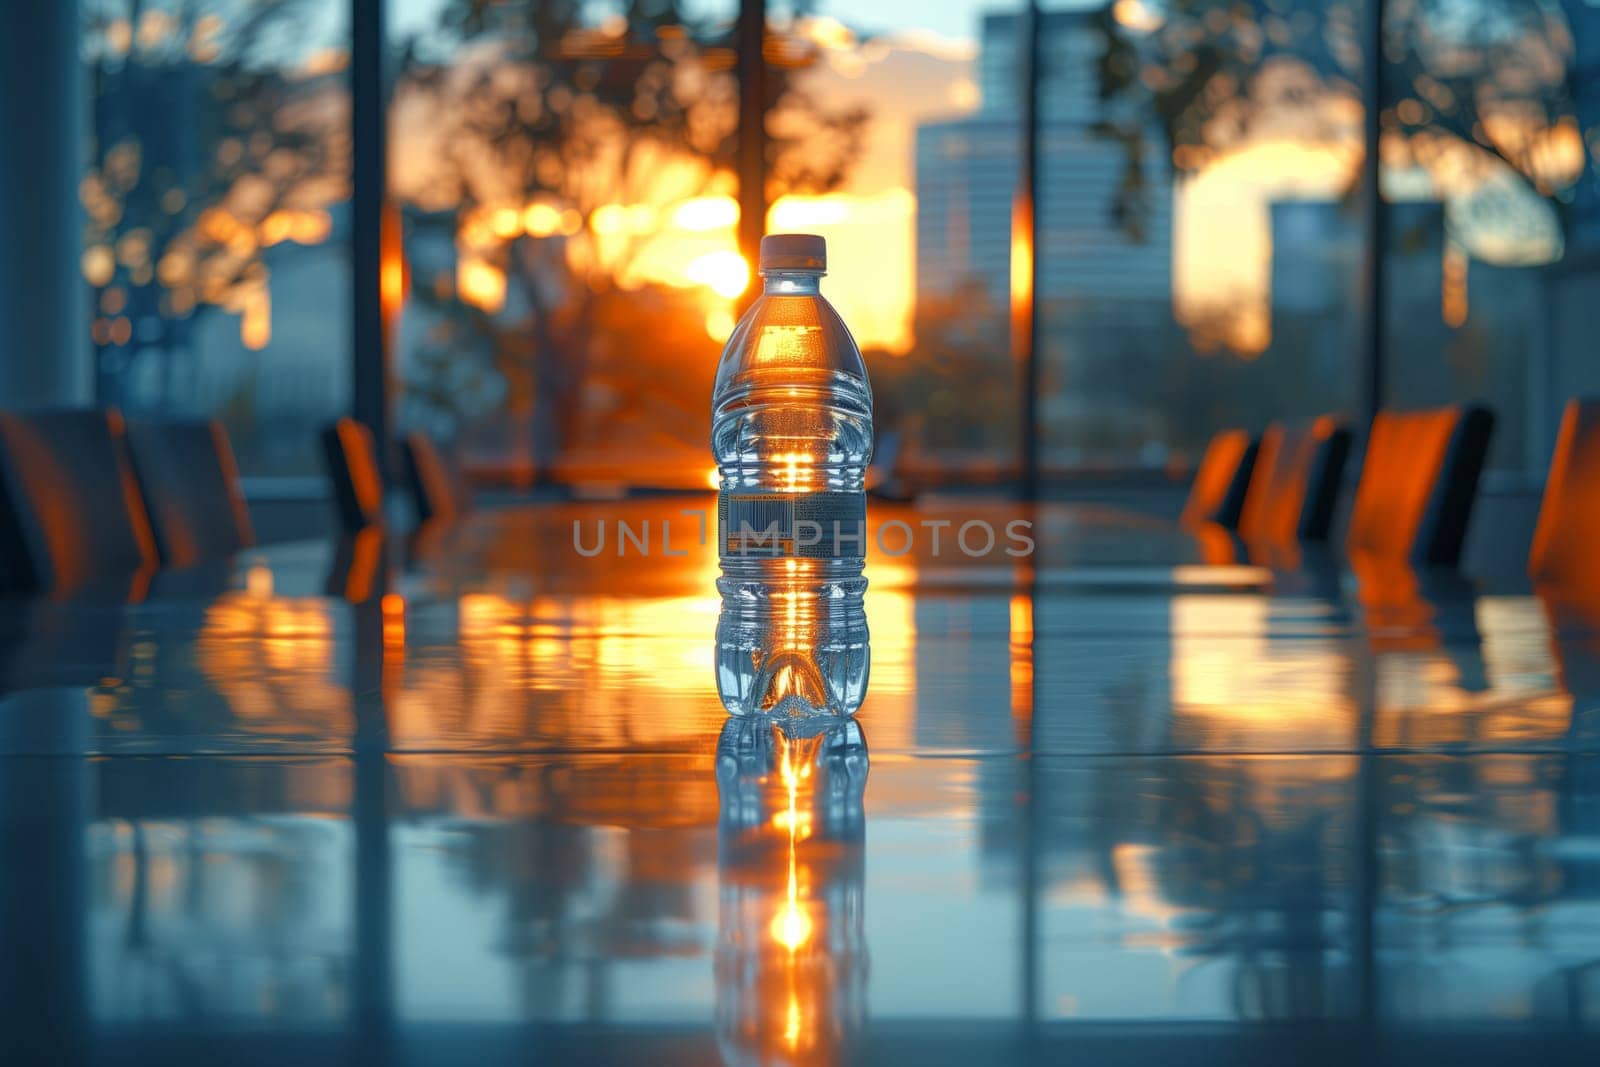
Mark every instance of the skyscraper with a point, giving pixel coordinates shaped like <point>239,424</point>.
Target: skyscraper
<point>966,174</point>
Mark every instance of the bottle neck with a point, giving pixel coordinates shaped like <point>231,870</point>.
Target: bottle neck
<point>792,282</point>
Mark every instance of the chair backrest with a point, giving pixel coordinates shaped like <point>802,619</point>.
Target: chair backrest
<point>435,488</point>
<point>360,565</point>
<point>70,511</point>
<point>1220,482</point>
<point>1294,487</point>
<point>190,483</point>
<point>352,460</point>
<point>1418,482</point>
<point>1566,542</point>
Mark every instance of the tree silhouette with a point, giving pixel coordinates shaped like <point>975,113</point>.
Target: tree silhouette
<point>1471,86</point>
<point>207,150</point>
<point>527,108</point>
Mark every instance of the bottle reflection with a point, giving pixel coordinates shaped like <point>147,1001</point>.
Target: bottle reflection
<point>794,644</point>
<point>791,960</point>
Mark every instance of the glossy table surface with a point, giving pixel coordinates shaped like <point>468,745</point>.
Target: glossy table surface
<point>1104,803</point>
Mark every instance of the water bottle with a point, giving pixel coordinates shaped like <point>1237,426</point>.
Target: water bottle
<point>791,432</point>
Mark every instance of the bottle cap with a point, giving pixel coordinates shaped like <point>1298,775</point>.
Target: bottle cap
<point>793,251</point>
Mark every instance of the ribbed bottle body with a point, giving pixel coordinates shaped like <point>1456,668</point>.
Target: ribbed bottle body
<point>792,438</point>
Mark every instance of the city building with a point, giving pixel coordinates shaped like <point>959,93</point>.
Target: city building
<point>966,175</point>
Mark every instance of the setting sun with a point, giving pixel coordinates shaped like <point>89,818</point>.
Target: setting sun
<point>706,213</point>
<point>724,273</point>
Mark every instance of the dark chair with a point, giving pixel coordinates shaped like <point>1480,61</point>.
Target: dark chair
<point>1218,492</point>
<point>190,483</point>
<point>1566,542</point>
<point>352,461</point>
<point>1294,486</point>
<point>436,490</point>
<point>71,516</point>
<point>1418,482</point>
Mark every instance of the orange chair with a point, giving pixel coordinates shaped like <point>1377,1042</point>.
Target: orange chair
<point>351,456</point>
<point>360,566</point>
<point>435,489</point>
<point>71,516</point>
<point>190,483</point>
<point>1418,482</point>
<point>1294,486</point>
<point>1564,564</point>
<point>1566,542</point>
<point>1217,494</point>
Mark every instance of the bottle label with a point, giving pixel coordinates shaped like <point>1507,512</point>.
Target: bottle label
<point>788,344</point>
<point>799,525</point>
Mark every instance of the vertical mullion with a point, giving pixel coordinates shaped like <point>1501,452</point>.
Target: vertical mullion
<point>370,361</point>
<point>371,1013</point>
<point>1368,770</point>
<point>45,356</point>
<point>1025,320</point>
<point>752,132</point>
<point>1375,235</point>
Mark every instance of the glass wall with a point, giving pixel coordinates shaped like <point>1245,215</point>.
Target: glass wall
<point>1491,118</point>
<point>567,181</point>
<point>1199,226</point>
<point>562,232</point>
<point>919,220</point>
<point>217,216</point>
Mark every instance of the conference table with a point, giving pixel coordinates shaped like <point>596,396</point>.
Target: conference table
<point>471,795</point>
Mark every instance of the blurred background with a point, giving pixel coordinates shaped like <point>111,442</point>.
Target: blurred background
<point>1074,240</point>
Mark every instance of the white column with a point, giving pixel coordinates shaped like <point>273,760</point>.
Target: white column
<point>44,329</point>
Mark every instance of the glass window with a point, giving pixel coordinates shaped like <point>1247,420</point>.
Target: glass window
<point>565,179</point>
<point>570,201</point>
<point>217,216</point>
<point>918,218</point>
<point>563,184</point>
<point>1490,120</point>
<point>1199,232</point>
